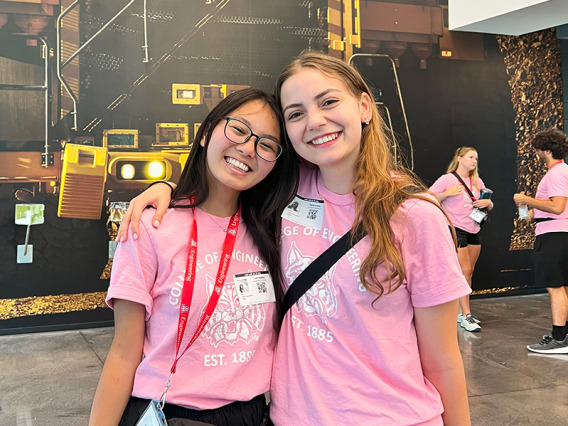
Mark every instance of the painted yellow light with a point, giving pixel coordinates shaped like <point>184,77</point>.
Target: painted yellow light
<point>127,171</point>
<point>156,169</point>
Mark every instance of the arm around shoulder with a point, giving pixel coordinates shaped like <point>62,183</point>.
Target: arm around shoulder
<point>157,196</point>
<point>115,385</point>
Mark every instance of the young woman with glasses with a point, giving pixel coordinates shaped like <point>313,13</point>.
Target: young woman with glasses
<point>208,280</point>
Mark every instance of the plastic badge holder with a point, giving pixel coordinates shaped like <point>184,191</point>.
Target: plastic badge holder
<point>152,416</point>
<point>523,211</point>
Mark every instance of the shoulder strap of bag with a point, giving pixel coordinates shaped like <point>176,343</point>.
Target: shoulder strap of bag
<point>464,185</point>
<point>319,267</point>
<point>543,219</point>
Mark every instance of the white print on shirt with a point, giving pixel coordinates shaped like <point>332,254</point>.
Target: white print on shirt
<point>320,334</point>
<point>239,256</point>
<point>175,292</point>
<point>230,321</point>
<point>320,300</point>
<point>355,262</point>
<point>216,360</point>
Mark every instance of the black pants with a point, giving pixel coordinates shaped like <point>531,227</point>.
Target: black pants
<point>238,413</point>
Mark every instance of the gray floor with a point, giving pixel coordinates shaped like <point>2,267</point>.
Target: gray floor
<point>49,379</point>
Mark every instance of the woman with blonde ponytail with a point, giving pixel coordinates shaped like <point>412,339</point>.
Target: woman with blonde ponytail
<point>459,205</point>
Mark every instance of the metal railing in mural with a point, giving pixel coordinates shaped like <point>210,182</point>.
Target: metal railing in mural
<point>390,69</point>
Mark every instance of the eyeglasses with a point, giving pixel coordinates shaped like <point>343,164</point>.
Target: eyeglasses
<point>266,147</point>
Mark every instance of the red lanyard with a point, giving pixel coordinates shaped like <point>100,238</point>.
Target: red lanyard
<point>189,282</point>
<point>556,164</point>
<point>470,192</point>
<point>462,183</point>
<point>471,188</point>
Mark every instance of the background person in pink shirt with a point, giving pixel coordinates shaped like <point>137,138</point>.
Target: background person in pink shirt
<point>459,205</point>
<point>238,177</point>
<point>550,254</point>
<point>374,340</point>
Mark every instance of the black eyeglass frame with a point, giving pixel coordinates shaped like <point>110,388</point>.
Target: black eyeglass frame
<point>258,138</point>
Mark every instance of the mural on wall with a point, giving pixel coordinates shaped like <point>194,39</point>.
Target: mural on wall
<point>134,82</point>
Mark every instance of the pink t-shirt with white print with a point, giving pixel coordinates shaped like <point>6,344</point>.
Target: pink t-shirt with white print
<point>232,358</point>
<point>553,184</point>
<point>460,206</point>
<point>340,359</point>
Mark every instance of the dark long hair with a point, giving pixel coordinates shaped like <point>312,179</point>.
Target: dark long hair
<point>261,205</point>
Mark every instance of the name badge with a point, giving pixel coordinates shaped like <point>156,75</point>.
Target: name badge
<point>254,287</point>
<point>305,211</point>
<point>478,215</point>
<point>152,416</point>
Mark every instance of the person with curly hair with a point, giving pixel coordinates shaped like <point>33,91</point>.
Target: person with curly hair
<point>550,254</point>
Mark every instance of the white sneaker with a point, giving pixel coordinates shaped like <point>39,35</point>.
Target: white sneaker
<point>460,318</point>
<point>468,322</point>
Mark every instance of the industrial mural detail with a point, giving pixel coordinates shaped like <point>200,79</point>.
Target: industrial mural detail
<point>99,98</point>
<point>533,64</point>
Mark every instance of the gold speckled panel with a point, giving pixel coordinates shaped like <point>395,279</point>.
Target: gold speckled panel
<point>41,305</point>
<point>533,64</point>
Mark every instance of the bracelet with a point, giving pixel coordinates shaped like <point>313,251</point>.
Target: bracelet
<point>442,198</point>
<point>164,182</point>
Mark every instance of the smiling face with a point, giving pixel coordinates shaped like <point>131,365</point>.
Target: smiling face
<point>468,162</point>
<point>323,119</point>
<point>232,168</point>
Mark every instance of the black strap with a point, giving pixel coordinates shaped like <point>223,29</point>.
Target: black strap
<point>543,219</point>
<point>465,186</point>
<point>318,267</point>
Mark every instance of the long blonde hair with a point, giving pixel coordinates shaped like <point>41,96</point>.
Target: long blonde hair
<point>460,152</point>
<point>380,185</point>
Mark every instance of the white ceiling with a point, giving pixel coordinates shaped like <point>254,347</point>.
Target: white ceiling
<point>507,17</point>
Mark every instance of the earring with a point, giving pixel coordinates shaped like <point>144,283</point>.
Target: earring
<point>367,121</point>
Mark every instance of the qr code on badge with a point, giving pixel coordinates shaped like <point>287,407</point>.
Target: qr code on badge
<point>262,288</point>
<point>312,214</point>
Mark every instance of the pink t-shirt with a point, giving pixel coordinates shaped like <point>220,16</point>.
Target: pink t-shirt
<point>553,184</point>
<point>232,358</point>
<point>459,207</point>
<point>340,360</point>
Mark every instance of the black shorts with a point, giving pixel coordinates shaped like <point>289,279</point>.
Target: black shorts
<point>550,259</point>
<point>245,413</point>
<point>465,238</point>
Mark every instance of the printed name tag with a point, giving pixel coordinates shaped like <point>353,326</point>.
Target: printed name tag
<point>254,287</point>
<point>478,215</point>
<point>152,416</point>
<point>305,211</point>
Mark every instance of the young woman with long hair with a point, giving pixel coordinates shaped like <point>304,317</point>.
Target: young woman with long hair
<point>176,288</point>
<point>459,206</point>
